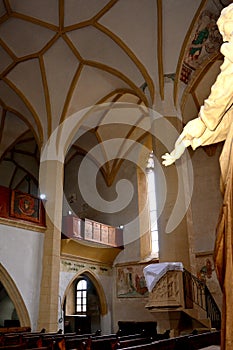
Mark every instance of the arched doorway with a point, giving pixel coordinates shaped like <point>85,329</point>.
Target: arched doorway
<point>83,305</point>
<point>13,311</point>
<point>8,314</point>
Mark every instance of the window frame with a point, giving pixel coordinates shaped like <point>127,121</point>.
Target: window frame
<point>152,206</point>
<point>81,294</point>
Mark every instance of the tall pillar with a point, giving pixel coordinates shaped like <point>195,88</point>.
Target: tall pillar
<point>51,184</point>
<point>172,189</point>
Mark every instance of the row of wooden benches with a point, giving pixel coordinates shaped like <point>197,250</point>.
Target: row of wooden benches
<point>58,341</point>
<point>187,342</point>
<point>29,340</point>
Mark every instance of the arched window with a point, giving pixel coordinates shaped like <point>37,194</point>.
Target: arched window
<point>81,297</point>
<point>152,205</point>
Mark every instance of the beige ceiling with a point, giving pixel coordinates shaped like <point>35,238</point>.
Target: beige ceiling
<point>59,57</point>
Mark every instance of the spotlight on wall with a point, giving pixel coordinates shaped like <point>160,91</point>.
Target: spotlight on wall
<point>42,196</point>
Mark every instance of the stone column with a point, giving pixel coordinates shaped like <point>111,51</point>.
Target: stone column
<point>51,184</point>
<point>172,188</point>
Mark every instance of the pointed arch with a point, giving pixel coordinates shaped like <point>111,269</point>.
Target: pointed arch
<point>15,297</point>
<point>98,286</point>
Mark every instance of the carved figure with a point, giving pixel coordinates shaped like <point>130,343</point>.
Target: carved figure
<point>214,124</point>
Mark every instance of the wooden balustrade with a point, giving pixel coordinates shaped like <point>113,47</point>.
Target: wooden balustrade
<point>92,231</point>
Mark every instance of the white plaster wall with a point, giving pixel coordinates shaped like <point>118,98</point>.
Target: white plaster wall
<point>21,255</point>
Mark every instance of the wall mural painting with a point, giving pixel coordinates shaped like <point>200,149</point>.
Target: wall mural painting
<point>131,282</point>
<point>205,272</point>
<point>205,41</point>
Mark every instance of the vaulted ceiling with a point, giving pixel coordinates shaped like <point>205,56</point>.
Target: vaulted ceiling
<point>59,57</point>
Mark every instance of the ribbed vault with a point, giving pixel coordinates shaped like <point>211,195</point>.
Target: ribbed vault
<point>58,59</point>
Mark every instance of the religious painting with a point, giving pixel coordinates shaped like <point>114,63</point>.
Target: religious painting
<point>205,271</point>
<point>25,206</point>
<point>131,282</point>
<point>204,42</point>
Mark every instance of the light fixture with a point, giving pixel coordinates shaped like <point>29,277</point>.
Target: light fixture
<point>42,196</point>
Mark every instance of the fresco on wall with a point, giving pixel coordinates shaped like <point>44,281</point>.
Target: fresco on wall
<point>131,282</point>
<point>78,266</point>
<point>205,41</point>
<point>206,273</point>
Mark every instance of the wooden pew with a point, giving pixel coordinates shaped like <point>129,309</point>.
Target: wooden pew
<point>104,336</point>
<point>14,329</point>
<point>12,347</point>
<point>182,343</point>
<point>130,336</point>
<point>101,344</point>
<point>132,342</point>
<point>166,344</point>
<point>187,342</point>
<point>14,339</point>
<point>148,328</point>
<point>78,341</point>
<point>50,341</point>
<point>57,341</point>
<point>32,341</point>
<point>24,347</point>
<point>40,348</point>
<point>113,342</point>
<point>72,343</point>
<point>205,339</point>
<point>15,335</point>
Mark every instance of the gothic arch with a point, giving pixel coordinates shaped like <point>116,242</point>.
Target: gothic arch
<point>97,284</point>
<point>15,296</point>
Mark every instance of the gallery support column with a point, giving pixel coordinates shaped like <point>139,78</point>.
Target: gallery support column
<point>51,184</point>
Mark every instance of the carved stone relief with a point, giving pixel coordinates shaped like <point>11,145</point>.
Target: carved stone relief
<point>168,292</point>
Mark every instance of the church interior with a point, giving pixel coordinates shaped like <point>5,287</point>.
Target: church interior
<point>97,236</point>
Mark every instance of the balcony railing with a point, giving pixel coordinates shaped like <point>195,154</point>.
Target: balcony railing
<point>92,231</point>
